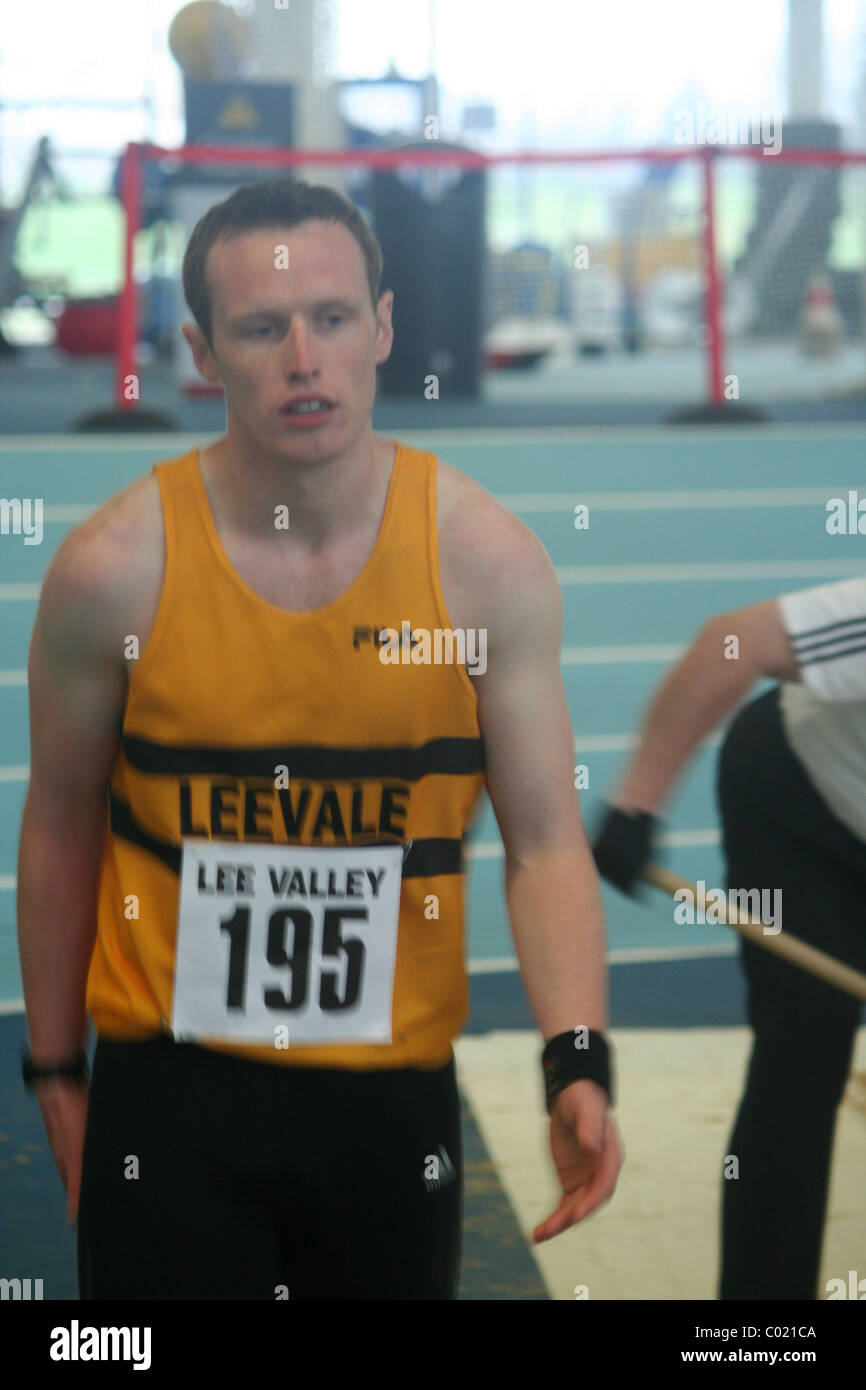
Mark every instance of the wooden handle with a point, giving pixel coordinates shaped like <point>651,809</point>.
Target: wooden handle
<point>790,947</point>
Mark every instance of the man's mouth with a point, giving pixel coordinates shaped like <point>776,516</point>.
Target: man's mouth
<point>313,406</point>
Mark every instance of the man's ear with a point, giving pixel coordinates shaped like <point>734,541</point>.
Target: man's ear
<point>385,329</point>
<point>202,355</point>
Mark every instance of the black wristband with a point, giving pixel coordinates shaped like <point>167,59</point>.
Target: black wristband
<point>567,1058</point>
<point>73,1069</point>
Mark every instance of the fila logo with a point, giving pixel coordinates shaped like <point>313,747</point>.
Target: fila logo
<point>376,635</point>
<point>439,1171</point>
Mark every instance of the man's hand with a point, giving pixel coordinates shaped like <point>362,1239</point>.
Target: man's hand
<point>623,847</point>
<point>588,1154</point>
<point>64,1114</point>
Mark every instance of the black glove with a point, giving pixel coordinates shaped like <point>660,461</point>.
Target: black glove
<point>622,847</point>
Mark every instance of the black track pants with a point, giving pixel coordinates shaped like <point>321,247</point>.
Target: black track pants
<point>780,834</point>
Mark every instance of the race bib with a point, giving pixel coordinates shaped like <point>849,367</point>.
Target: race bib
<point>280,938</point>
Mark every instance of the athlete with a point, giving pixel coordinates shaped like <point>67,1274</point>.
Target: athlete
<point>792,796</point>
<point>250,781</point>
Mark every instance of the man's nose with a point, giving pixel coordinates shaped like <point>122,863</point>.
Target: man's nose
<point>298,355</point>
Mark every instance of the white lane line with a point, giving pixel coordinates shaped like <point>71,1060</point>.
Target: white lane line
<point>664,501</point>
<point>604,743</point>
<point>182,441</point>
<point>106,445</point>
<point>609,434</point>
<point>583,743</point>
<point>688,839</point>
<point>69,511</point>
<point>621,743</point>
<point>540,503</point>
<point>636,652</point>
<point>494,849</point>
<point>717,571</point>
<point>504,965</point>
<point>631,651</point>
<point>13,593</point>
<point>672,839</point>
<point>638,955</point>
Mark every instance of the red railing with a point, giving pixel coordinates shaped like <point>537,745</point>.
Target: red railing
<point>136,153</point>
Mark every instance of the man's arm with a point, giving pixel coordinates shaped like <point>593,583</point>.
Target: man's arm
<point>77,688</point>
<point>699,692</point>
<point>77,685</point>
<point>552,889</point>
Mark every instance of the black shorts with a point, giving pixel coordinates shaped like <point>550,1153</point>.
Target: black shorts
<point>209,1176</point>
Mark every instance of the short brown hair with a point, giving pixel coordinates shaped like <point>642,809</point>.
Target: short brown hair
<point>276,202</point>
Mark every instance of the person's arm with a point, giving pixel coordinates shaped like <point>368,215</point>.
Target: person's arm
<point>552,889</point>
<point>77,689</point>
<point>703,688</point>
<point>815,636</point>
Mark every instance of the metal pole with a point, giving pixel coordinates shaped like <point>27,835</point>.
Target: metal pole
<point>127,318</point>
<point>715,344</point>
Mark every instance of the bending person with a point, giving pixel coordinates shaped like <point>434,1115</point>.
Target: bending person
<point>792,796</point>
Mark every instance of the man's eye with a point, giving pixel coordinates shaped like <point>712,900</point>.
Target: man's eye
<point>334,318</point>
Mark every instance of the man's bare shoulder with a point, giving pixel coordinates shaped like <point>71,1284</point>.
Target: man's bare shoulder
<point>485,548</point>
<point>108,570</point>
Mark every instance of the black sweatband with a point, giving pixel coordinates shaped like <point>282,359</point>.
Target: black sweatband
<point>72,1069</point>
<point>565,1059</point>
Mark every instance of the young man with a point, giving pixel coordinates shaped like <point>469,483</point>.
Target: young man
<point>792,795</point>
<point>270,927</point>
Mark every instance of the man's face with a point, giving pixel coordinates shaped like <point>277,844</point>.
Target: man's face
<point>292,317</point>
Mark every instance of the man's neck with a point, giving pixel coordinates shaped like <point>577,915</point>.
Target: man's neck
<point>325,497</point>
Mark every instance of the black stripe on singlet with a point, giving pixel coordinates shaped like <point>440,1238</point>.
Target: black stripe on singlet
<point>459,757</point>
<point>428,858</point>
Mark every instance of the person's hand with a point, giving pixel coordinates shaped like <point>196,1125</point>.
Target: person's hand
<point>64,1114</point>
<point>587,1152</point>
<point>622,847</point>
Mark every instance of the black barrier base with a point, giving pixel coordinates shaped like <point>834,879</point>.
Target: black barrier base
<point>729,413</point>
<point>125,421</point>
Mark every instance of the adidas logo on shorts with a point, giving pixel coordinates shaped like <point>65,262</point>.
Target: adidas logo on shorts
<point>439,1171</point>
